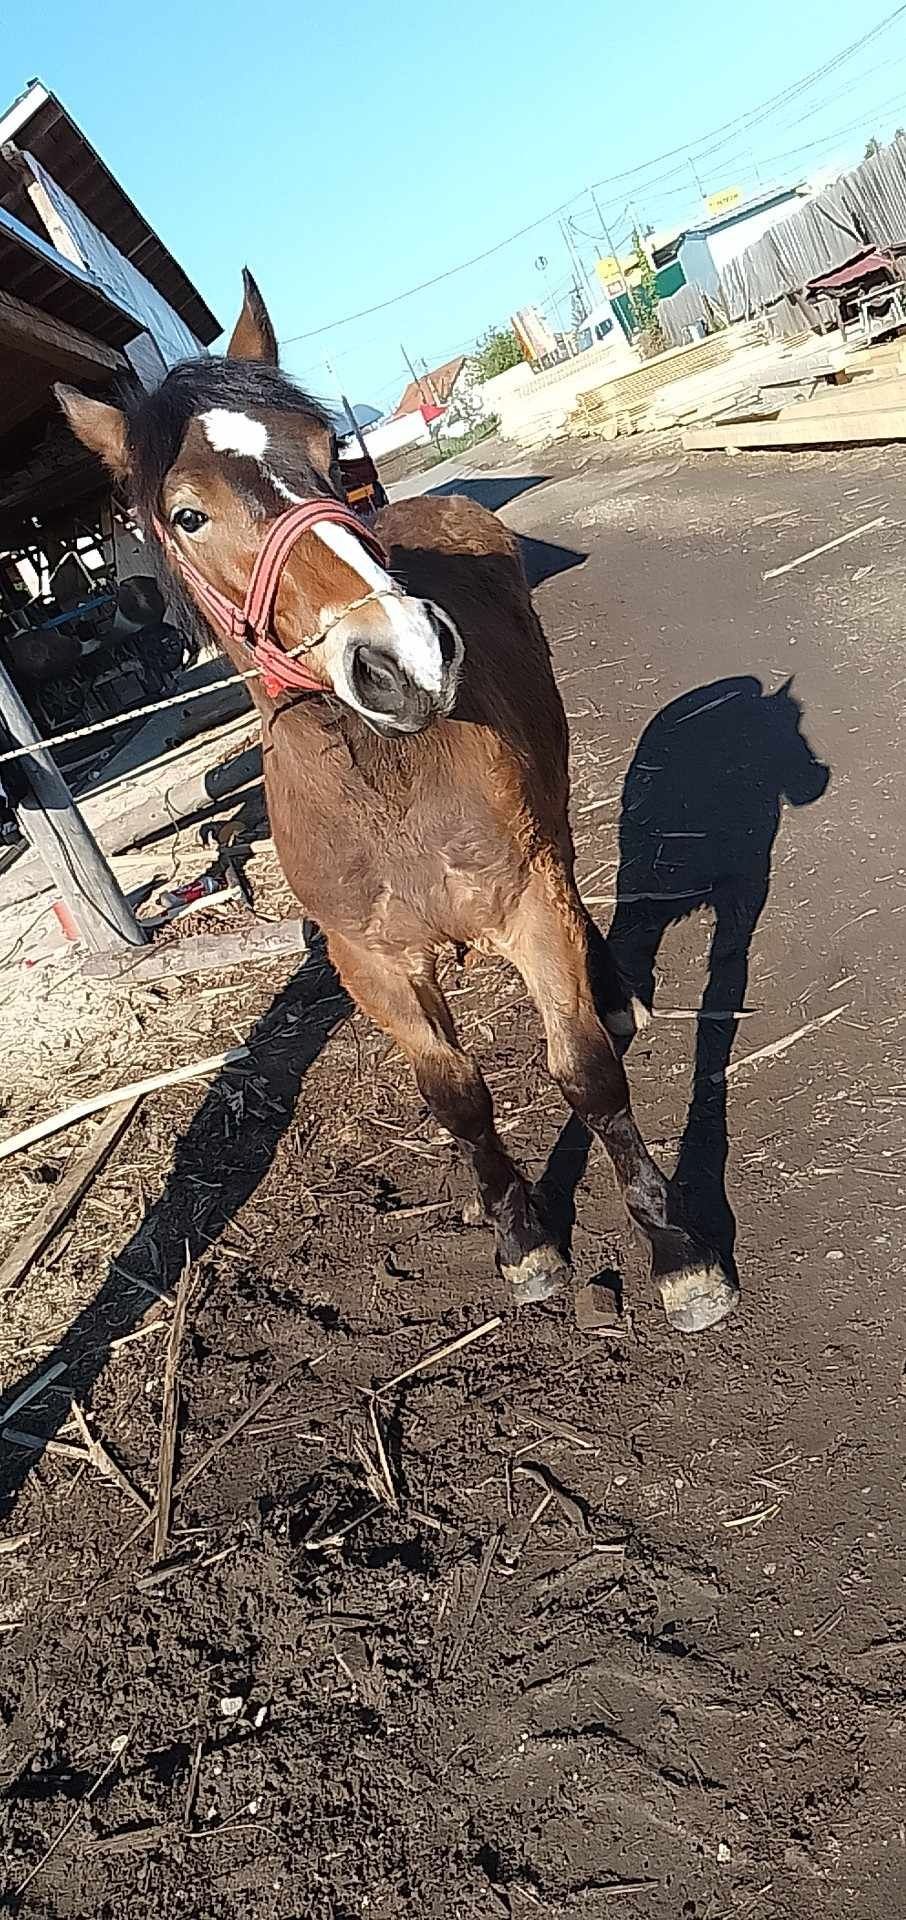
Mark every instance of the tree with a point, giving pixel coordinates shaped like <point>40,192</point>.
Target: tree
<point>645,301</point>
<point>496,351</point>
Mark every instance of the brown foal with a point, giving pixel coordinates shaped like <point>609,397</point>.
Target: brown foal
<point>418,793</point>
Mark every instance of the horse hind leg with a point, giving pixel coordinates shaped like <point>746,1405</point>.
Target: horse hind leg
<point>618,1008</point>
<point>408,1004</point>
<point>548,942</point>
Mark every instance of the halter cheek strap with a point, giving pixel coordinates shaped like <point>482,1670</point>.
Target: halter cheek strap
<point>251,625</point>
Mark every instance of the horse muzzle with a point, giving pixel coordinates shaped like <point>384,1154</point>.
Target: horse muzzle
<point>387,689</point>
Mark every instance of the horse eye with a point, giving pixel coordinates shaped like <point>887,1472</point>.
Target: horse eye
<point>188,519</point>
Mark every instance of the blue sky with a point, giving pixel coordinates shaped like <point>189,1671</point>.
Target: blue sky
<point>350,153</point>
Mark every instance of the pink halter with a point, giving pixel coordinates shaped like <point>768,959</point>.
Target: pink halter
<point>251,624</point>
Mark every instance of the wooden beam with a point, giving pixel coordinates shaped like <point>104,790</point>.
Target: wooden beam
<point>54,225</point>
<point>201,952</point>
<point>66,1195</point>
<point>831,429</point>
<point>51,822</point>
<point>67,348</point>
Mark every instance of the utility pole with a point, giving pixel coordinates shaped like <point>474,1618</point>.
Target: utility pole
<point>417,382</point>
<point>432,384</point>
<point>609,238</point>
<point>53,825</point>
<point>576,261</point>
<point>355,425</point>
<point>542,265</point>
<point>697,178</point>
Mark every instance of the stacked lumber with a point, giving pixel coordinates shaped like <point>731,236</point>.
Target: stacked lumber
<point>627,398</point>
<point>865,402</point>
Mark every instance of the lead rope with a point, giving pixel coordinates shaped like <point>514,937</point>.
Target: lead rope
<point>195,693</point>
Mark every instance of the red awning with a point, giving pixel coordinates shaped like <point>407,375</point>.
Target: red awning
<point>854,270</point>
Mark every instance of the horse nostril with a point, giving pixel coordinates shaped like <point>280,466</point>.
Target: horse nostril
<point>376,679</point>
<point>446,639</point>
<point>447,645</point>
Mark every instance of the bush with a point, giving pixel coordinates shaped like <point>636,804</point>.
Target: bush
<point>495,352</point>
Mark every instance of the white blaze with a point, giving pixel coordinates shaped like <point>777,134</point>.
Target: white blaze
<point>230,432</point>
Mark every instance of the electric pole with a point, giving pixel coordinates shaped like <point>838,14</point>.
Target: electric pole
<point>609,238</point>
<point>417,382</point>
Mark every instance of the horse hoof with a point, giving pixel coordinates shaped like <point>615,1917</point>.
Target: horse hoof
<point>540,1275</point>
<point>697,1297</point>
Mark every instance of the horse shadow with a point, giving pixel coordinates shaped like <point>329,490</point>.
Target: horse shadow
<point>494,490</point>
<point>541,559</point>
<point>234,1134</point>
<point>701,808</point>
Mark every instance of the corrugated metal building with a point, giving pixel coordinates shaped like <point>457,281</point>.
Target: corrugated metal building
<point>705,252</point>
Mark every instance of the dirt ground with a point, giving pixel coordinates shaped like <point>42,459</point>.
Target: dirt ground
<point>568,1620</point>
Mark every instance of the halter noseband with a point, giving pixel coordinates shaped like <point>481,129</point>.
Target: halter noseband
<point>251,624</point>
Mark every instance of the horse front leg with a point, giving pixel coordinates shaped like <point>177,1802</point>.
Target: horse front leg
<point>406,1001</point>
<point>548,941</point>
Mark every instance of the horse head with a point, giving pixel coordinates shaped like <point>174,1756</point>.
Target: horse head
<point>212,460</point>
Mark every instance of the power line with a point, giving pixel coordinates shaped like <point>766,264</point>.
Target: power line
<point>752,117</point>
<point>877,110</point>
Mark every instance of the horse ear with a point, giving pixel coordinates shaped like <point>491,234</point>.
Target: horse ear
<point>98,426</point>
<point>253,335</point>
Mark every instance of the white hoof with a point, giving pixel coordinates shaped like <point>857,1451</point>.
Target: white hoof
<point>539,1276</point>
<point>698,1297</point>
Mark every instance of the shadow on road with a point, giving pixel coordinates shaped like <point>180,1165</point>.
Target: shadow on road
<point>493,490</point>
<point>543,561</point>
<point>701,807</point>
<point>702,804</point>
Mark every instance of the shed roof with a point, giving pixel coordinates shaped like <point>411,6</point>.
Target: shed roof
<point>40,124</point>
<point>744,210</point>
<point>32,270</point>
<point>867,261</point>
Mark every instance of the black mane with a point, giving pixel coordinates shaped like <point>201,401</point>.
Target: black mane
<point>156,422</point>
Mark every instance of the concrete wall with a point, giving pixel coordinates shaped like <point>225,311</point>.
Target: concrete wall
<point>389,437</point>
<point>535,406</point>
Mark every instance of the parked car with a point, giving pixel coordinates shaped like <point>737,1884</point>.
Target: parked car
<point>602,323</point>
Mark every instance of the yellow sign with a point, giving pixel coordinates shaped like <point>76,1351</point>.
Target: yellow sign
<point>723,201</point>
<point>608,268</point>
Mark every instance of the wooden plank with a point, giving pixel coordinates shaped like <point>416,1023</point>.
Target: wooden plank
<point>117,1096</point>
<point>66,347</point>
<point>201,952</point>
<point>66,1195</point>
<point>867,395</point>
<point>829,430</point>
